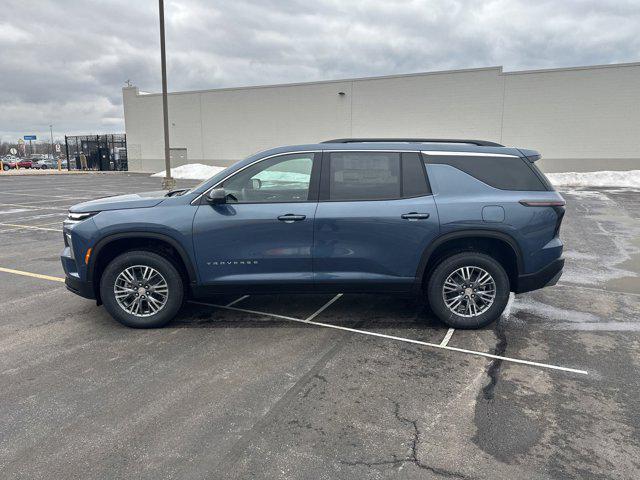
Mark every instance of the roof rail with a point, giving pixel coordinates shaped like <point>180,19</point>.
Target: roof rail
<point>481,143</point>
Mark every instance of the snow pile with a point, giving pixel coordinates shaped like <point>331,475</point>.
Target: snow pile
<point>628,179</point>
<point>271,176</point>
<point>192,171</point>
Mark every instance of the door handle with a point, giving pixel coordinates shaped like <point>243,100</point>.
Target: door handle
<point>414,216</point>
<point>290,218</point>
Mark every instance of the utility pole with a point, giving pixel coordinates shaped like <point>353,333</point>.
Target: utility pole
<point>51,132</point>
<point>168,183</point>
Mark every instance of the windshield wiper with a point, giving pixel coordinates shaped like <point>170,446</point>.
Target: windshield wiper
<point>177,192</point>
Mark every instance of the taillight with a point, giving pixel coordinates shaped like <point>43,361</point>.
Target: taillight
<point>556,205</point>
<point>560,213</point>
<point>543,203</point>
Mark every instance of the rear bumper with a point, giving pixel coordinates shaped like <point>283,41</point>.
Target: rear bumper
<point>544,277</point>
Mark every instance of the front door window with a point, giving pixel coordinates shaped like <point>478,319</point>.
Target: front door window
<point>279,179</point>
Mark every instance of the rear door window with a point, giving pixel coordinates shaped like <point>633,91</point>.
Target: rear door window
<point>505,173</point>
<point>363,176</point>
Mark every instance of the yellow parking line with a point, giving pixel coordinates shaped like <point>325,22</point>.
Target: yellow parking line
<point>15,225</point>
<point>34,275</point>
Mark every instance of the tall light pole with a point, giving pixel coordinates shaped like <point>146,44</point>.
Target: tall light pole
<point>168,182</point>
<point>51,132</point>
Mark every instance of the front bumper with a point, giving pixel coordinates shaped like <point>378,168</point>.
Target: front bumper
<point>75,285</point>
<point>72,277</point>
<point>545,277</point>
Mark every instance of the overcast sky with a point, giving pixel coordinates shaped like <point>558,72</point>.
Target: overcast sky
<point>65,62</point>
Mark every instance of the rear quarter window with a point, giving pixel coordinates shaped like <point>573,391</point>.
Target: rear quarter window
<point>505,173</point>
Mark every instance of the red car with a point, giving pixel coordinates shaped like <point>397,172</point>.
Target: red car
<point>11,163</point>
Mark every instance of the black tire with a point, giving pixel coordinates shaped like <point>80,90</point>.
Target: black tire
<point>5,167</point>
<point>43,167</point>
<point>468,259</point>
<point>144,258</point>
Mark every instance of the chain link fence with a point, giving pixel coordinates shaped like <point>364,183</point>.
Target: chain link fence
<point>101,152</point>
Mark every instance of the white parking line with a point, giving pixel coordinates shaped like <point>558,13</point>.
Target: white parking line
<point>246,310</point>
<point>39,195</point>
<point>30,227</point>
<point>14,210</point>
<point>447,337</point>
<point>400,339</point>
<point>324,307</point>
<point>101,192</point>
<point>237,300</point>
<point>31,207</point>
<point>39,216</point>
<point>42,201</point>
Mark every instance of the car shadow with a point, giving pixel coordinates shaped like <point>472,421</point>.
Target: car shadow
<point>397,313</point>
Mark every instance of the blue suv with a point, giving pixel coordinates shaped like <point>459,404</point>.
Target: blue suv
<point>462,222</point>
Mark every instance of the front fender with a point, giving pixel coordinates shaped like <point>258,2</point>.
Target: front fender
<point>172,224</point>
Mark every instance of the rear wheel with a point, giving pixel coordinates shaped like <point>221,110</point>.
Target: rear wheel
<point>142,289</point>
<point>468,290</point>
<point>5,167</point>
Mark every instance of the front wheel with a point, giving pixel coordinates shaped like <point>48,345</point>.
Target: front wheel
<point>141,289</point>
<point>468,290</point>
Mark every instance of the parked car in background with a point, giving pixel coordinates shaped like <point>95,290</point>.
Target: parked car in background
<point>459,222</point>
<point>49,163</point>
<point>11,163</point>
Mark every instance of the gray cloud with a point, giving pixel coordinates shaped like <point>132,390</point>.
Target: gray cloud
<point>64,62</point>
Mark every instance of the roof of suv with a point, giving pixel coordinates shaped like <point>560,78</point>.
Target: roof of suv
<point>399,146</point>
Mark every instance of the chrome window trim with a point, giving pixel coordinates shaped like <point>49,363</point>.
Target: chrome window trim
<point>197,199</point>
<point>372,151</point>
<point>426,152</point>
<point>467,154</point>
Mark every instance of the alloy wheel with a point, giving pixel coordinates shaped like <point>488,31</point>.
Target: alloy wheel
<point>141,290</point>
<point>469,291</point>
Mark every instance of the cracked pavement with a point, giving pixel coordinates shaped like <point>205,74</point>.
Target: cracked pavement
<point>229,394</point>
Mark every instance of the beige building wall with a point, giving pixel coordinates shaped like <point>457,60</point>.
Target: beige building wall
<point>588,117</point>
<point>581,119</point>
<point>462,104</point>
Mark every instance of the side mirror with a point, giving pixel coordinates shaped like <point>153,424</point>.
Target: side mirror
<point>217,196</point>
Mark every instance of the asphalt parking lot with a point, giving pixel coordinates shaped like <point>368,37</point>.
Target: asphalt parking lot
<point>254,390</point>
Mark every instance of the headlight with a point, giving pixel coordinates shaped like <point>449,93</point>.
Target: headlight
<point>74,218</point>
<point>81,216</point>
<point>69,243</point>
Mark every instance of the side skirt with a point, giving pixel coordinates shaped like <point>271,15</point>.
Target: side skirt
<point>204,291</point>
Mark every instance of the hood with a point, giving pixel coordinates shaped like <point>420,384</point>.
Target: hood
<point>135,200</point>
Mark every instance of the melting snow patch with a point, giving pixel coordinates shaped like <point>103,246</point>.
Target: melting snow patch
<point>627,179</point>
<point>551,312</point>
<point>192,171</point>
